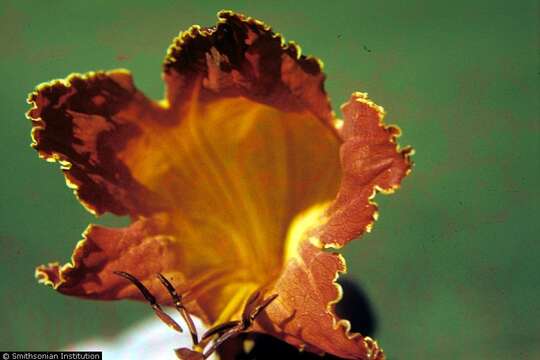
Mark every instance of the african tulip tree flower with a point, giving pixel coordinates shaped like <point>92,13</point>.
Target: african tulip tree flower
<point>238,180</point>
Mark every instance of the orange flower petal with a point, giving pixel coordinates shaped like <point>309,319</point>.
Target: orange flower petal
<point>82,122</point>
<point>304,313</point>
<point>241,56</point>
<point>229,181</point>
<point>139,248</point>
<point>371,162</point>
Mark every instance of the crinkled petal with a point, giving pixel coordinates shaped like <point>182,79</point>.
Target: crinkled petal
<point>141,249</point>
<point>82,122</point>
<point>371,162</point>
<point>304,314</point>
<point>241,56</point>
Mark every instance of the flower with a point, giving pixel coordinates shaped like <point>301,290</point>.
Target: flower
<point>238,180</point>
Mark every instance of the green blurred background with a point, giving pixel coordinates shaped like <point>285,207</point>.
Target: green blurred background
<point>451,266</point>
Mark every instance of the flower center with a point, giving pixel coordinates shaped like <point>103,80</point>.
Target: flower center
<point>234,174</point>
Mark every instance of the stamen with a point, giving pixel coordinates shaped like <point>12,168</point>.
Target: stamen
<point>219,329</point>
<point>262,306</point>
<point>180,307</point>
<point>241,326</point>
<point>163,316</point>
<point>248,308</point>
<point>234,331</point>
